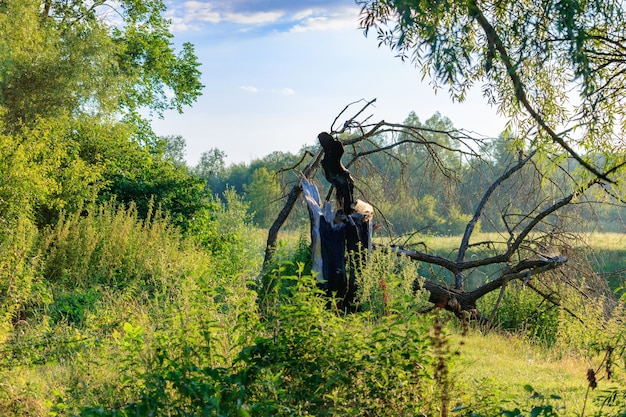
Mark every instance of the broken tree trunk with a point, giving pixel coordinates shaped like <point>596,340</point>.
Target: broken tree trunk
<point>340,239</point>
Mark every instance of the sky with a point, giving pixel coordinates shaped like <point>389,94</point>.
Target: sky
<point>278,72</point>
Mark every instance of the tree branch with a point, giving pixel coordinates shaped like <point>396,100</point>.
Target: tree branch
<point>479,210</point>
<point>520,92</point>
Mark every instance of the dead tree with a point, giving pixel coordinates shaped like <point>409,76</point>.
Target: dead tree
<point>337,234</point>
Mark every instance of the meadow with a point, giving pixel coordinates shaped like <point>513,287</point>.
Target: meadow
<point>128,317</point>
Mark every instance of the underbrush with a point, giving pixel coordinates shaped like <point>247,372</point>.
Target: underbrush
<point>111,315</point>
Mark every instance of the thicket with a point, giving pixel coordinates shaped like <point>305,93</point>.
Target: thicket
<point>114,314</point>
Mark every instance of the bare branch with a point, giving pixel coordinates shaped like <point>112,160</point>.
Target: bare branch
<point>348,123</point>
<point>481,206</point>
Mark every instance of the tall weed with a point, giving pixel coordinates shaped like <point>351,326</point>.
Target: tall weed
<point>111,246</point>
<point>385,284</point>
<point>301,359</point>
<point>225,231</point>
<point>21,289</point>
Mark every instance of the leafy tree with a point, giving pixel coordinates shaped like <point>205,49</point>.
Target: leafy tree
<point>211,167</point>
<point>151,182</point>
<point>237,176</point>
<point>262,194</point>
<point>547,65</point>
<point>174,149</point>
<point>73,78</point>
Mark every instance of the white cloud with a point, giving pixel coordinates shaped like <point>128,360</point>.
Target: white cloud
<point>303,14</point>
<point>194,14</point>
<point>249,89</point>
<point>261,18</point>
<point>179,24</point>
<point>200,11</point>
<point>345,19</point>
<point>286,91</point>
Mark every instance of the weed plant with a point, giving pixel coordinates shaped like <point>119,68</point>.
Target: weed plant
<point>304,359</point>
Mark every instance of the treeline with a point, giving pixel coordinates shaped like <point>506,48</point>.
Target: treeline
<point>415,187</point>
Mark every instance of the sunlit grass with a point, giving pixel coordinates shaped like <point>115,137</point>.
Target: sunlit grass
<point>505,364</point>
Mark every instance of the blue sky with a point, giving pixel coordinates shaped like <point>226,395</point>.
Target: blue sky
<point>276,73</point>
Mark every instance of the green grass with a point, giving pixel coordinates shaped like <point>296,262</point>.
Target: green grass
<point>504,364</point>
<point>608,256</point>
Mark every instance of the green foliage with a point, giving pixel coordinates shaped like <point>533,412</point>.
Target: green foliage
<point>71,87</point>
<point>602,328</point>
<point>287,261</point>
<point>523,310</point>
<point>117,315</point>
<point>19,277</point>
<point>504,47</point>
<point>154,181</point>
<point>263,193</point>
<point>73,306</point>
<point>220,227</point>
<point>314,362</point>
<point>385,284</point>
<point>540,405</point>
<point>46,170</point>
<point>212,168</point>
<point>146,57</point>
<point>109,246</point>
<point>304,359</point>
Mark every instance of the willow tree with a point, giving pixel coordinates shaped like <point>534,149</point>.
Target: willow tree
<point>555,69</point>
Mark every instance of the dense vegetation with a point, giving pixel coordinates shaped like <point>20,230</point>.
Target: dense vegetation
<point>123,316</point>
<point>133,285</point>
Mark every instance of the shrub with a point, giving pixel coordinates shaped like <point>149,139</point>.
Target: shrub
<point>19,277</point>
<point>524,311</point>
<point>303,360</point>
<point>111,246</point>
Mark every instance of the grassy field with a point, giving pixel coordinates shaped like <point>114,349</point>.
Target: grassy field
<point>503,367</point>
<point>607,252</point>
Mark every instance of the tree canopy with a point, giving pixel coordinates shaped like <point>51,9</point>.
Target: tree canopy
<point>77,79</point>
<point>555,68</point>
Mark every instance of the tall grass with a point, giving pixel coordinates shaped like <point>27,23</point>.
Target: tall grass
<point>111,246</point>
<point>86,283</point>
<point>114,315</point>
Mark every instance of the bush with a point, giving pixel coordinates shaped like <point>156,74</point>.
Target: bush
<point>19,276</point>
<point>111,246</point>
<point>522,310</point>
<point>303,360</point>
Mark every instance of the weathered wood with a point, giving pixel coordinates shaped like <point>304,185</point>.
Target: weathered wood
<point>334,239</point>
<point>341,235</point>
<point>292,197</point>
<point>458,301</point>
<point>336,173</point>
<point>314,206</point>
